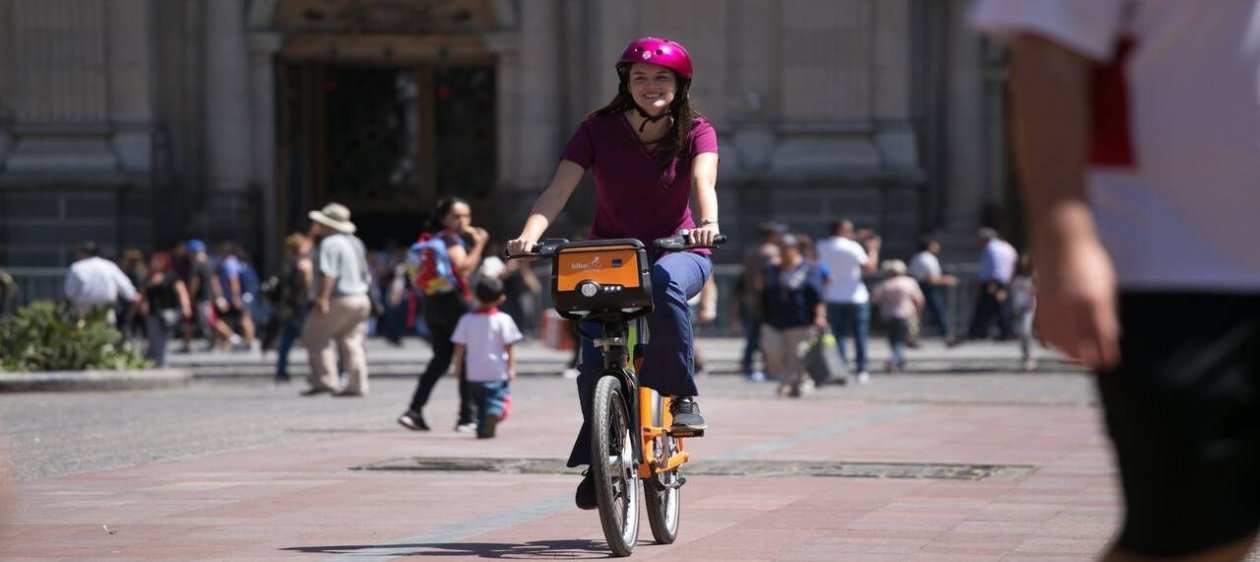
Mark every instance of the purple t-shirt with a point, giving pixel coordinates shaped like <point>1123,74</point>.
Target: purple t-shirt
<point>633,199</point>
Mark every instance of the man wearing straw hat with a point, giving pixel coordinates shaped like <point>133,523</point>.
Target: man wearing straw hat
<point>341,306</point>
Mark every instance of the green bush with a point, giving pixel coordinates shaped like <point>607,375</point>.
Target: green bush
<point>47,337</point>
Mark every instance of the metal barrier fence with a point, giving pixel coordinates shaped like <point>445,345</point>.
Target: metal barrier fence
<point>39,283</point>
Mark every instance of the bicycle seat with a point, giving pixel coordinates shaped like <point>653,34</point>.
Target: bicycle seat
<point>602,279</point>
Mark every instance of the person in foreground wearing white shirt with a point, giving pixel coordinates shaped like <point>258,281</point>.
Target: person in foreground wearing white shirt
<point>1137,131</point>
<point>848,255</point>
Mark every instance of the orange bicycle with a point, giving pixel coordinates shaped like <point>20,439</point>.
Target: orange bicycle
<point>632,444</point>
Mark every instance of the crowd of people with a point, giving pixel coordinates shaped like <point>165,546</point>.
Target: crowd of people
<point>793,291</point>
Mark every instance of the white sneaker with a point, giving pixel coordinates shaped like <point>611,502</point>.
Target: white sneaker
<point>570,373</point>
<point>466,427</point>
<point>863,377</point>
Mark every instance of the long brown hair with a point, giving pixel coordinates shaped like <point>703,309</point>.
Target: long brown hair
<point>683,114</point>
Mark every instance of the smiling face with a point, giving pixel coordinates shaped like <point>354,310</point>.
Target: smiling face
<point>653,87</point>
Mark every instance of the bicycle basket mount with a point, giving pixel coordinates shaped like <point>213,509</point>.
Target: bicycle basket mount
<point>601,277</point>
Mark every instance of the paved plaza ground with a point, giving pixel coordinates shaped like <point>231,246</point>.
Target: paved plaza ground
<point>964,458</point>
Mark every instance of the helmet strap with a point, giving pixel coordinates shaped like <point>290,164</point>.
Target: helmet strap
<point>648,118</point>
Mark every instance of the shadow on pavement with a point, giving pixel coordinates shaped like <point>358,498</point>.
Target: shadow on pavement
<point>578,549</point>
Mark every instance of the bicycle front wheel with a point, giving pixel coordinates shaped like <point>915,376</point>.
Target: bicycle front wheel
<point>663,497</point>
<point>612,463</point>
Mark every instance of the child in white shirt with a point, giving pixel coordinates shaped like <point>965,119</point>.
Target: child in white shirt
<point>484,345</point>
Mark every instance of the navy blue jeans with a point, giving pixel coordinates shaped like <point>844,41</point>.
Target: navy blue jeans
<point>752,337</point>
<point>851,319</point>
<point>669,360</point>
<point>935,307</point>
<point>290,329</point>
<point>490,398</point>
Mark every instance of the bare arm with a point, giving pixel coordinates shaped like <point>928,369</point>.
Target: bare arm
<point>457,360</point>
<point>307,269</point>
<point>548,206</point>
<point>466,261</point>
<point>141,306</point>
<point>872,255</point>
<point>708,302</point>
<point>704,191</point>
<point>1050,89</point>
<point>511,361</point>
<point>235,284</point>
<point>185,304</point>
<point>322,298</point>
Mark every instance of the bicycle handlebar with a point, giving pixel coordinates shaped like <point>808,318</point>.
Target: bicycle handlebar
<point>548,246</point>
<point>676,243</point>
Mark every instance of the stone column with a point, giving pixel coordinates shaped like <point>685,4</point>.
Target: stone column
<point>6,71</point>
<point>530,96</point>
<point>891,85</point>
<point>60,101</point>
<point>131,106</point>
<point>965,187</point>
<point>538,92</point>
<point>227,101</point>
<point>754,79</point>
<point>262,50</point>
<point>617,23</point>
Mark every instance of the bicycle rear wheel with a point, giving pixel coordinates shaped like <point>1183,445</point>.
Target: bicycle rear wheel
<point>612,463</point>
<point>663,496</point>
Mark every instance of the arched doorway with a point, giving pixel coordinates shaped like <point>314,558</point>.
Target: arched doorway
<point>385,107</point>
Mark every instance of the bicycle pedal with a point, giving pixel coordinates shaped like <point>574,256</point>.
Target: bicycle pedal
<point>681,432</point>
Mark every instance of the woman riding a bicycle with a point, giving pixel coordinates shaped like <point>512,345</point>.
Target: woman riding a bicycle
<point>651,152</point>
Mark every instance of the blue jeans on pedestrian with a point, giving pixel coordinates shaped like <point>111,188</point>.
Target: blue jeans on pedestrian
<point>851,319</point>
<point>752,337</point>
<point>898,335</point>
<point>669,360</point>
<point>290,329</point>
<point>935,307</point>
<point>490,397</point>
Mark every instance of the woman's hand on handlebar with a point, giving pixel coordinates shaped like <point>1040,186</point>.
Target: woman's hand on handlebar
<point>703,235</point>
<point>519,246</point>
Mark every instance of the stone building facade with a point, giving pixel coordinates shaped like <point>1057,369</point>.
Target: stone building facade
<point>141,122</point>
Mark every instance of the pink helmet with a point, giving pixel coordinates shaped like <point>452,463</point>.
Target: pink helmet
<point>661,52</point>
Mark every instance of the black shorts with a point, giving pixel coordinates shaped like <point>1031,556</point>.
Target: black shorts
<point>1183,410</point>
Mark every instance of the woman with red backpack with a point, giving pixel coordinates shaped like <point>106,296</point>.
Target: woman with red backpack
<point>650,153</point>
<point>444,260</point>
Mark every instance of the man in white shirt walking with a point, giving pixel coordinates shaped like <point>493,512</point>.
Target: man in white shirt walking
<point>848,255</point>
<point>925,267</point>
<point>96,282</point>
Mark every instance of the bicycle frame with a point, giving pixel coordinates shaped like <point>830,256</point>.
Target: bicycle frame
<point>654,418</point>
<point>616,294</point>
